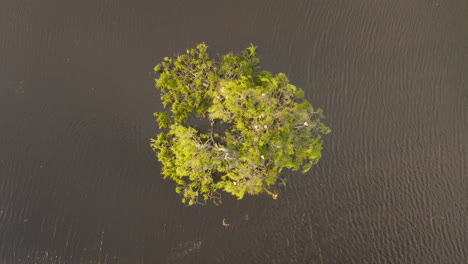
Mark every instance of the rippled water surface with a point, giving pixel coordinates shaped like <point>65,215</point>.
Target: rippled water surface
<point>79,184</point>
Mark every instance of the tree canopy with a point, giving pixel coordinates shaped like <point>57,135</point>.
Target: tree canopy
<point>259,124</point>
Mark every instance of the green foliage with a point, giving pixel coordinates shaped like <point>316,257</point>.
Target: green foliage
<point>268,125</point>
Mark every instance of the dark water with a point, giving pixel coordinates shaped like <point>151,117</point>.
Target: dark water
<point>79,184</point>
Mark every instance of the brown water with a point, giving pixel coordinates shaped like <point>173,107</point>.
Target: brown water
<point>79,184</point>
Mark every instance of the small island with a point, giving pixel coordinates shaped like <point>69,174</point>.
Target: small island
<point>256,125</point>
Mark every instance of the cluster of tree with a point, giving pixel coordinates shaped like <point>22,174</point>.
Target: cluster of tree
<point>267,126</point>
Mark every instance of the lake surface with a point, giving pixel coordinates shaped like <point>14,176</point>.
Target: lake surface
<point>79,183</point>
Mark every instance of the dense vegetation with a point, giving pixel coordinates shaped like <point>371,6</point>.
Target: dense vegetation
<point>258,125</point>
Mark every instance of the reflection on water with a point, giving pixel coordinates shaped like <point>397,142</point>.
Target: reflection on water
<point>79,183</point>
